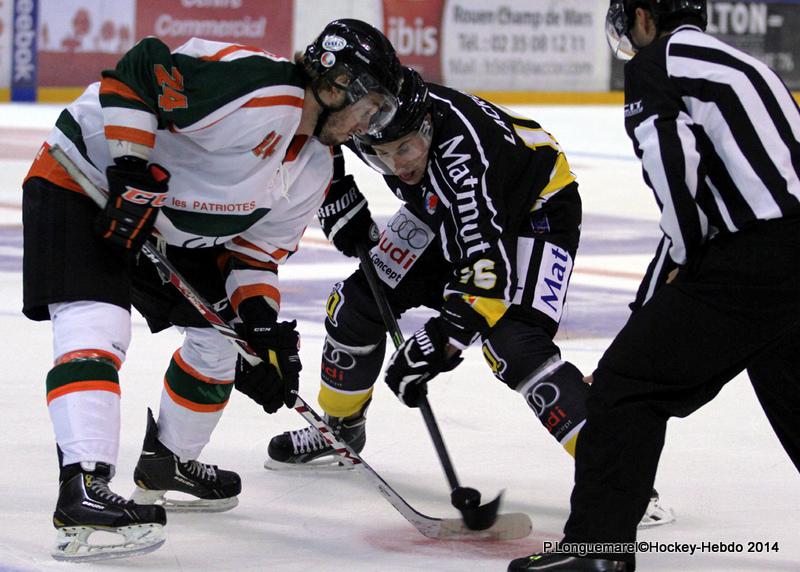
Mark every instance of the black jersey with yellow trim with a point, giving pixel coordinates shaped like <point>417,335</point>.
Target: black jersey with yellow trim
<point>487,170</point>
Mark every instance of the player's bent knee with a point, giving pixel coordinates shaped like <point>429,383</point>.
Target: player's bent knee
<point>516,348</point>
<point>352,314</point>
<point>208,353</point>
<point>90,330</point>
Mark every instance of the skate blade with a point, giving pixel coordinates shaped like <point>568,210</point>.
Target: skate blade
<point>511,526</point>
<point>326,464</point>
<point>656,515</point>
<point>72,542</point>
<point>144,496</point>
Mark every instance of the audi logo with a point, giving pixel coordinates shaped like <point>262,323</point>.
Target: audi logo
<point>542,396</point>
<point>408,230</point>
<point>338,357</point>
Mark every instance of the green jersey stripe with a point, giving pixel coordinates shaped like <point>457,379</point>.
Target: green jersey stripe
<point>72,130</point>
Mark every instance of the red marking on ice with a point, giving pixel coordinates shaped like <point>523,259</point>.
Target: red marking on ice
<point>408,540</point>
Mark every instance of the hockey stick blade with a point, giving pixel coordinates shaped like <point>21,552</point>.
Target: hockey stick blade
<point>506,527</point>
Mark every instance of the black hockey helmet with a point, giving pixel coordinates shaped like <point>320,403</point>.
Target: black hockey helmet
<point>411,125</point>
<point>365,56</point>
<point>667,14</point>
<point>413,105</point>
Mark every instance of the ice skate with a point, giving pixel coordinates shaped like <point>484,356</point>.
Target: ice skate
<point>306,449</point>
<point>86,505</point>
<point>546,561</point>
<point>159,470</point>
<point>656,514</point>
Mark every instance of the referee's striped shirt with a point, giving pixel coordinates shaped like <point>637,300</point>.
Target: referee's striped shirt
<point>718,134</point>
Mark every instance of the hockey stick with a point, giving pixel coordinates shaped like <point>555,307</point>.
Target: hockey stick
<point>451,529</point>
<point>467,500</point>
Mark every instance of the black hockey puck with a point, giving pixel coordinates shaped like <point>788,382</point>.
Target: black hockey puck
<point>465,498</point>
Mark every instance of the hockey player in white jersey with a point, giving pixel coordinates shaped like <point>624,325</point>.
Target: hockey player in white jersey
<point>223,150</point>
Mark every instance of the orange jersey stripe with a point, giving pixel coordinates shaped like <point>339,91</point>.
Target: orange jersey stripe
<point>94,385</point>
<point>45,167</point>
<point>275,100</point>
<point>117,132</point>
<point>276,254</point>
<point>194,373</point>
<point>89,354</point>
<point>110,86</point>
<point>191,405</point>
<point>244,292</point>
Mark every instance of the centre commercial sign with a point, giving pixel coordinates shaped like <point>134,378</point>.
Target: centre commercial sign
<point>80,38</point>
<point>267,25</point>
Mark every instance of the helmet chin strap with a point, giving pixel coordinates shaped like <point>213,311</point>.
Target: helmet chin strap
<point>321,121</point>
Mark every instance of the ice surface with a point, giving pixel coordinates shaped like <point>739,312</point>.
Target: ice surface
<point>722,471</point>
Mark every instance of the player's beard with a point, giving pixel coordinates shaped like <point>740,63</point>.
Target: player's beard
<point>325,130</point>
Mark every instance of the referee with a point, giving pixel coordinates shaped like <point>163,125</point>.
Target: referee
<point>717,134</point>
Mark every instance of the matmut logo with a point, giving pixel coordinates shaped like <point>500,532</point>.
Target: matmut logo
<point>267,146</point>
<point>555,270</point>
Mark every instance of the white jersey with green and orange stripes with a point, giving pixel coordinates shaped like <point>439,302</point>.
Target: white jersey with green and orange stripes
<point>221,118</point>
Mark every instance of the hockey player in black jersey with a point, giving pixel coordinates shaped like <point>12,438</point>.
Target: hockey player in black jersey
<point>717,134</point>
<point>487,236</point>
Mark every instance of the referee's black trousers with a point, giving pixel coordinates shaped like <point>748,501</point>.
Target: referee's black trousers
<point>734,306</point>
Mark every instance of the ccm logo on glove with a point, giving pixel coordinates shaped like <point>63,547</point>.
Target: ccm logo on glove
<point>141,197</point>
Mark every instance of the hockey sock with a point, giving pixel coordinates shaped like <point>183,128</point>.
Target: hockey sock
<point>83,401</point>
<point>191,405</point>
<point>348,375</point>
<point>557,395</point>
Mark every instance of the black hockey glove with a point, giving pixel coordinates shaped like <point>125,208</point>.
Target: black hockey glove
<point>418,360</point>
<point>345,218</point>
<point>136,191</point>
<point>460,323</point>
<point>276,343</point>
<point>264,385</point>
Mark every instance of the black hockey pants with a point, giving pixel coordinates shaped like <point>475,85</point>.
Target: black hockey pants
<point>734,306</point>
